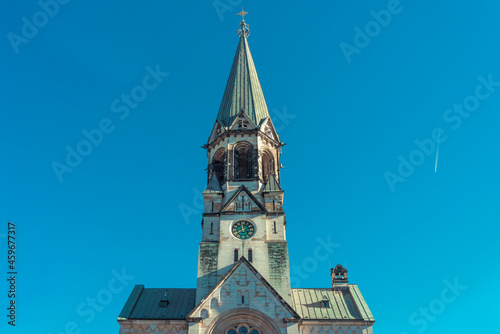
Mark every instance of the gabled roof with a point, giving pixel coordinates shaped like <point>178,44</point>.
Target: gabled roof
<point>237,192</point>
<point>244,117</point>
<point>243,90</point>
<point>213,134</point>
<point>145,304</point>
<point>213,185</point>
<point>269,123</point>
<point>346,303</point>
<point>272,184</point>
<point>244,261</point>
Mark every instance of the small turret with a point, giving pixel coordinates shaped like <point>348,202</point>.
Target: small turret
<point>339,276</point>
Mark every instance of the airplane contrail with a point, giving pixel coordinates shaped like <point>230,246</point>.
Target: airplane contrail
<point>437,151</point>
<point>437,156</point>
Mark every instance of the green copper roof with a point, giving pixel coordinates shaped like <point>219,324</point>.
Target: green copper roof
<point>272,184</point>
<point>243,90</point>
<point>145,304</point>
<point>345,304</point>
<point>213,186</point>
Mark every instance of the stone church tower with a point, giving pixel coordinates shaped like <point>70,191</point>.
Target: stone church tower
<point>243,284</point>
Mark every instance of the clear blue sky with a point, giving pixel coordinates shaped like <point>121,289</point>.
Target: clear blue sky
<point>356,104</point>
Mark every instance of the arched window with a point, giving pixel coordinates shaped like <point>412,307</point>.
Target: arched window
<point>243,163</point>
<point>218,165</point>
<point>233,324</point>
<point>236,255</point>
<point>242,124</point>
<point>250,255</point>
<point>243,160</point>
<point>242,328</point>
<point>267,165</point>
<point>240,297</point>
<point>242,202</point>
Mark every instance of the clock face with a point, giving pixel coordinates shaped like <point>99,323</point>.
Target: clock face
<point>243,229</point>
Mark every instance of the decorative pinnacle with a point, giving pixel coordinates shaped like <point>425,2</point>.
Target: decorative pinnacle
<point>243,30</point>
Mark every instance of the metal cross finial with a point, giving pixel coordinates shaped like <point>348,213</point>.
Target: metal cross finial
<point>242,14</point>
<point>243,30</point>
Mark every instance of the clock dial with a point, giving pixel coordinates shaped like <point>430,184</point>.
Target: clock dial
<point>243,229</point>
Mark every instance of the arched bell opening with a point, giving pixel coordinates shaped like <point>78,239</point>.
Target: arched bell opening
<point>244,160</point>
<point>218,165</point>
<point>267,165</point>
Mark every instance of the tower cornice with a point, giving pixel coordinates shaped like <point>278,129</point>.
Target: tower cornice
<point>236,133</point>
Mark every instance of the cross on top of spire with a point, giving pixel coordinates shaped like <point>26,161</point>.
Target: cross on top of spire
<point>242,14</point>
<point>243,90</point>
<point>243,30</point>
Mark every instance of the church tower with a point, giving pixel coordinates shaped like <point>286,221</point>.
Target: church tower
<point>243,200</point>
<point>243,280</point>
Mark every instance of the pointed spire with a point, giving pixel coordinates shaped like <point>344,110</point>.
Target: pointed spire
<point>213,185</point>
<point>243,90</point>
<point>272,184</point>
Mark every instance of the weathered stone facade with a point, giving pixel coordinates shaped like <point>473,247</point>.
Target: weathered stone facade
<point>239,197</point>
<point>243,284</point>
<point>347,328</point>
<point>245,296</point>
<point>154,326</point>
